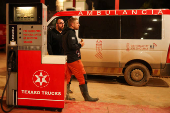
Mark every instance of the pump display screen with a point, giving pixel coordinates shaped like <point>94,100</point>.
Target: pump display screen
<point>25,14</point>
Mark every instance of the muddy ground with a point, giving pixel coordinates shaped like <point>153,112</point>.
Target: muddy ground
<point>114,89</point>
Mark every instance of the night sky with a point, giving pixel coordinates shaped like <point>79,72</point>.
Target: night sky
<point>98,4</point>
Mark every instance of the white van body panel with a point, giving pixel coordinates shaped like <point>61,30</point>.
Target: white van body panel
<point>117,53</point>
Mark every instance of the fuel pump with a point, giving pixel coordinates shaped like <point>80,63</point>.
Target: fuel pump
<point>35,78</point>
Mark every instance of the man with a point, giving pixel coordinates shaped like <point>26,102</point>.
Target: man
<point>54,39</point>
<point>74,65</point>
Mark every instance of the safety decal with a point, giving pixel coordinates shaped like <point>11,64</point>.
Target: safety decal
<point>156,72</point>
<point>153,46</point>
<point>140,47</point>
<point>99,49</point>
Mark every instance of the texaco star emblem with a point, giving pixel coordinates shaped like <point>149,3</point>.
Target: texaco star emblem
<point>41,78</point>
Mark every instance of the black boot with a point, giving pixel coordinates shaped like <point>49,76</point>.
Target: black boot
<point>70,83</point>
<point>67,95</point>
<point>85,93</point>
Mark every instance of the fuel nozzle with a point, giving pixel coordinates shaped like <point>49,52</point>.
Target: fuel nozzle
<point>11,61</point>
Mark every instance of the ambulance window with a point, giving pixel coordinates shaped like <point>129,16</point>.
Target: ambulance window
<point>99,27</point>
<point>52,24</point>
<point>141,27</point>
<point>66,18</point>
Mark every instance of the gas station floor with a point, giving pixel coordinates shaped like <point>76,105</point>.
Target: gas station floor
<point>92,107</point>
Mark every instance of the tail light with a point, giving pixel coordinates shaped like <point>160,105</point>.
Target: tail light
<point>168,55</point>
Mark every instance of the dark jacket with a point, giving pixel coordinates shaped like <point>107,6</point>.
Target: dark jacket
<point>54,42</point>
<point>71,46</point>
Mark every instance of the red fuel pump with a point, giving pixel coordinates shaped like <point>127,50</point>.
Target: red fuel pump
<point>36,79</point>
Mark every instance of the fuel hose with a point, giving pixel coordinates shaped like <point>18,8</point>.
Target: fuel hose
<point>9,73</point>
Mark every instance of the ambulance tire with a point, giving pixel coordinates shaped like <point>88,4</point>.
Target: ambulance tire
<point>136,74</point>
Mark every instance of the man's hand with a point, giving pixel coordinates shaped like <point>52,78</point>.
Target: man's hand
<point>82,44</point>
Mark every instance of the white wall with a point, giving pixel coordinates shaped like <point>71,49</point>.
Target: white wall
<point>63,4</point>
<point>79,6</point>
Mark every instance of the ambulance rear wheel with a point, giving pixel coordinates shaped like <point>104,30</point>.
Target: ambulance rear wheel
<point>136,74</point>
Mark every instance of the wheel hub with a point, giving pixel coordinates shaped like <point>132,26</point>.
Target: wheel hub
<point>137,75</point>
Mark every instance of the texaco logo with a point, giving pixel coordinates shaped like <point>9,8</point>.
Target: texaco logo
<point>41,78</point>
